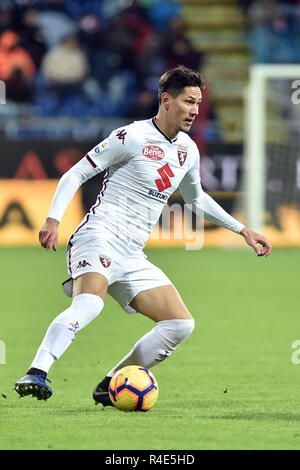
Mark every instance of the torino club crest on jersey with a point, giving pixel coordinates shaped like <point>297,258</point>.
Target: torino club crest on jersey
<point>182,154</point>
<point>105,261</point>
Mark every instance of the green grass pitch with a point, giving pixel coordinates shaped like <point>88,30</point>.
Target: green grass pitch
<point>231,385</point>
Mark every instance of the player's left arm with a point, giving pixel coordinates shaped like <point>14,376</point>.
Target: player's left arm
<point>203,204</point>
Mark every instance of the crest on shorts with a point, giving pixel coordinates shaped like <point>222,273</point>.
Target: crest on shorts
<point>105,261</point>
<point>182,154</point>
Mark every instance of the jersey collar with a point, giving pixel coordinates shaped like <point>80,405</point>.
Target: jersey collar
<point>162,132</point>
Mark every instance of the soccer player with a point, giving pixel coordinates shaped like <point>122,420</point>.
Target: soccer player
<point>144,163</point>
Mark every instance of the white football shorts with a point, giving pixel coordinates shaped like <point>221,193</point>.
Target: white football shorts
<point>127,275</point>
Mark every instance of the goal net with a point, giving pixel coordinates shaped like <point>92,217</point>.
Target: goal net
<point>272,153</point>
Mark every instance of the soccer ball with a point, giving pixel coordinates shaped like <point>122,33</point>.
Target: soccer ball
<point>133,388</point>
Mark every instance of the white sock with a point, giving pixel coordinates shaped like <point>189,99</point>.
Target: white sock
<point>63,329</point>
<point>157,345</point>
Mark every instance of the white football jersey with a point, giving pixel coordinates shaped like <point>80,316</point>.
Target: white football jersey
<point>143,167</point>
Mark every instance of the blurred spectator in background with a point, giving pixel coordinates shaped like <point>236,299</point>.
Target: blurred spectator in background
<point>99,58</point>
<point>65,66</point>
<point>182,52</point>
<point>273,31</point>
<point>177,48</point>
<point>127,33</point>
<point>17,68</point>
<point>104,62</point>
<point>77,9</point>
<point>150,64</point>
<point>7,18</point>
<point>119,41</point>
<point>32,39</point>
<point>175,28</point>
<point>165,50</point>
<point>145,105</point>
<point>53,24</point>
<point>160,12</point>
<point>138,25</point>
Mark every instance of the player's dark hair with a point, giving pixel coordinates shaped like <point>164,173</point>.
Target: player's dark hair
<point>174,80</point>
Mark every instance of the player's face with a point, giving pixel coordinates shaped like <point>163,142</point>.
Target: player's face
<point>185,107</point>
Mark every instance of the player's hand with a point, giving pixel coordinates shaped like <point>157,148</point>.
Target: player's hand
<point>48,234</point>
<point>253,239</point>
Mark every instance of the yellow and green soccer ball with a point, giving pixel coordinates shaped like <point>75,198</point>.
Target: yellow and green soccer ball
<point>133,388</point>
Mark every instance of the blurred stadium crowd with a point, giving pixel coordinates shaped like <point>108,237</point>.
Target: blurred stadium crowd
<point>98,58</point>
<point>274,30</point>
<point>103,58</point>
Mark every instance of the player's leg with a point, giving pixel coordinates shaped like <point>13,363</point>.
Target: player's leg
<point>174,324</point>
<point>89,292</point>
<point>160,303</point>
<point>90,283</point>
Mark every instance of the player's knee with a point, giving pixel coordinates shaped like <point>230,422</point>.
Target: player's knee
<point>175,331</point>
<point>184,328</point>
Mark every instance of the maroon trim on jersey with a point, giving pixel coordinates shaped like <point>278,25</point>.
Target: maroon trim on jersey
<point>69,259</point>
<point>162,132</point>
<point>80,226</point>
<point>91,161</point>
<point>98,200</point>
<point>97,203</point>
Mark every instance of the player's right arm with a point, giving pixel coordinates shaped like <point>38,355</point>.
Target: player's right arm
<point>202,203</point>
<point>114,149</point>
<point>67,186</point>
